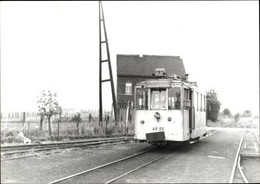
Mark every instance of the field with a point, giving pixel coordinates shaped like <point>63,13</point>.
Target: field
<point>66,129</point>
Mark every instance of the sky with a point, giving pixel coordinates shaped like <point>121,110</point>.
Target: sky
<point>54,46</point>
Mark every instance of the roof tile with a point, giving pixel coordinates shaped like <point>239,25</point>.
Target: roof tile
<point>134,65</point>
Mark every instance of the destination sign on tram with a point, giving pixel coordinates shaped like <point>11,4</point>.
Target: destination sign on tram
<point>150,84</point>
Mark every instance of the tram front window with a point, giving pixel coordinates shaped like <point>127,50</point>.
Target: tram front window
<point>174,98</point>
<point>141,99</point>
<point>158,99</point>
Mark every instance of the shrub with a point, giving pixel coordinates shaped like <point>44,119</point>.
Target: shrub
<point>10,136</point>
<point>213,105</point>
<point>247,113</point>
<point>227,112</point>
<point>237,117</point>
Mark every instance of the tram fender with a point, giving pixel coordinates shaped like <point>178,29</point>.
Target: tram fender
<point>155,136</point>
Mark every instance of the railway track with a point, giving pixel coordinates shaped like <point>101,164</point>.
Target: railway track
<point>23,151</point>
<point>115,170</point>
<point>237,162</point>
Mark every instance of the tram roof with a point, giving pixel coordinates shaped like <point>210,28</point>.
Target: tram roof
<point>167,82</point>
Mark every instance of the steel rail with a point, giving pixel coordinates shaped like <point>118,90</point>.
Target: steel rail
<point>237,158</point>
<point>55,148</point>
<point>120,160</point>
<point>3,148</point>
<point>239,166</point>
<point>98,167</point>
<point>133,170</point>
<point>241,171</point>
<point>49,147</point>
<point>117,161</point>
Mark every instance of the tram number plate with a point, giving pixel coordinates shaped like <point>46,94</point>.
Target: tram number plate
<point>158,128</point>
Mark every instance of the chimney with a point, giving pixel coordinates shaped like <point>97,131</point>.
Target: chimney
<point>187,76</point>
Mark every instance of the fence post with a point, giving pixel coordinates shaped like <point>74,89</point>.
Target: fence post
<point>28,127</point>
<point>59,125</point>
<point>127,117</point>
<point>24,121</point>
<point>6,121</point>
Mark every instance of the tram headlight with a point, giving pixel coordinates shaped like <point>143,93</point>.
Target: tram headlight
<point>142,121</point>
<point>169,118</point>
<point>157,116</point>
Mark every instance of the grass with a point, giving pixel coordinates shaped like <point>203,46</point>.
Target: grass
<point>239,123</point>
<point>67,130</point>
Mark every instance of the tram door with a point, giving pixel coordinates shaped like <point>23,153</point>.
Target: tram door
<point>188,106</point>
<point>191,111</point>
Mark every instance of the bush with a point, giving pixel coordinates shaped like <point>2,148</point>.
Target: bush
<point>10,136</point>
<point>237,117</point>
<point>247,113</point>
<point>227,112</point>
<point>213,105</point>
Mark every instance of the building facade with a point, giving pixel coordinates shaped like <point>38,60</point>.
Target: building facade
<point>132,69</point>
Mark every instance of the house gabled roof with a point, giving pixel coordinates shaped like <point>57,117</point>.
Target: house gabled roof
<point>134,65</point>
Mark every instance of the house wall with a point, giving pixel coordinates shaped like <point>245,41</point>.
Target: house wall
<point>123,98</point>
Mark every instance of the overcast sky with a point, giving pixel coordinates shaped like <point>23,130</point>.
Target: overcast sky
<point>53,46</point>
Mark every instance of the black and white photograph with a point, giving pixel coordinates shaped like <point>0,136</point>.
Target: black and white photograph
<point>129,92</point>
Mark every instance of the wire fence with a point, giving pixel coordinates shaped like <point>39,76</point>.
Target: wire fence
<point>65,125</point>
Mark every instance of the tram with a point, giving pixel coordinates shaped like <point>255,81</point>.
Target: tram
<point>169,109</point>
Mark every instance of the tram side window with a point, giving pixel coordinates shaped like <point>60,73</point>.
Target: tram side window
<point>204,103</point>
<point>198,101</point>
<point>186,99</point>
<point>195,101</point>
<point>186,94</point>
<point>201,103</point>
<point>141,99</point>
<point>158,99</point>
<point>174,101</point>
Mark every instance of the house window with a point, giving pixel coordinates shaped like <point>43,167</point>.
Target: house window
<point>128,88</point>
<point>141,99</point>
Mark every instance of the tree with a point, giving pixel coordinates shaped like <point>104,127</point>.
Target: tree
<point>76,118</point>
<point>227,112</point>
<point>48,106</point>
<point>41,120</point>
<point>213,105</point>
<point>247,113</point>
<point>237,117</point>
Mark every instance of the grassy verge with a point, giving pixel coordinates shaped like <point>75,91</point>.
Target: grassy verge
<point>66,131</point>
<point>224,121</point>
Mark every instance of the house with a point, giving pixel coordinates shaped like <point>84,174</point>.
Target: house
<point>132,69</point>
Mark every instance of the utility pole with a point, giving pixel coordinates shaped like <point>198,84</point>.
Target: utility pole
<point>105,41</point>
